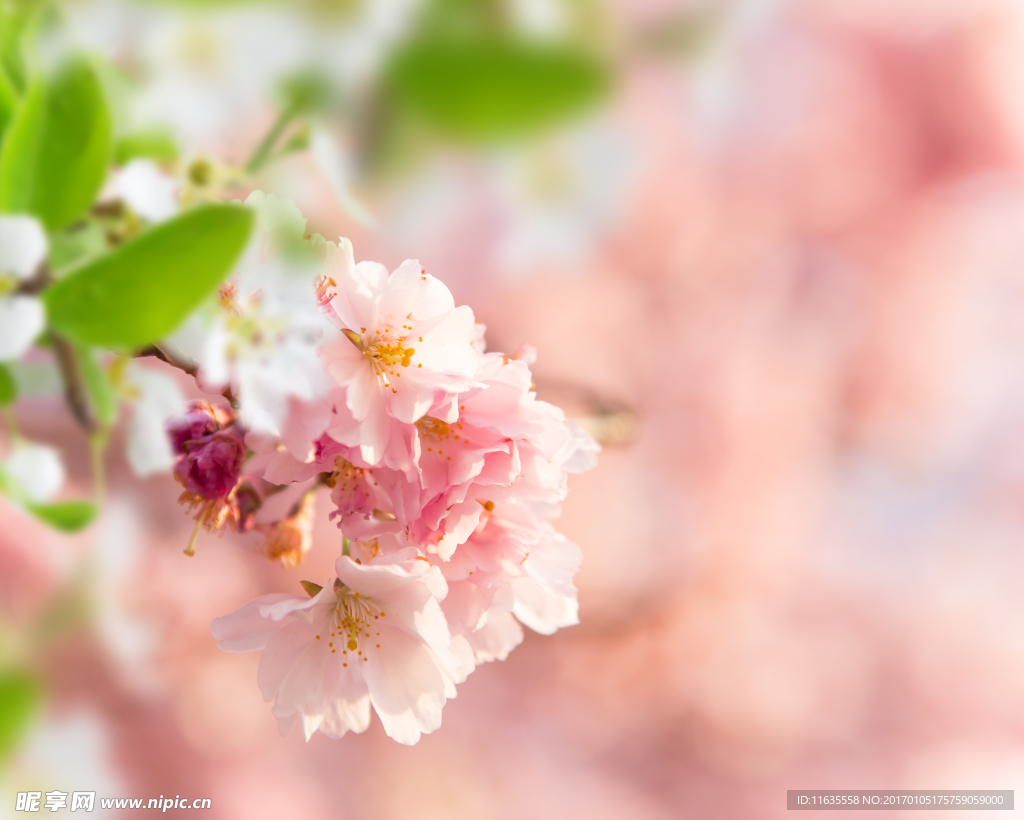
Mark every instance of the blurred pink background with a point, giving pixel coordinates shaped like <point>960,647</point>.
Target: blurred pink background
<point>797,259</point>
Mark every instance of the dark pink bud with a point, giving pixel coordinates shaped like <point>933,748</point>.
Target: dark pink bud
<point>200,420</point>
<point>211,466</point>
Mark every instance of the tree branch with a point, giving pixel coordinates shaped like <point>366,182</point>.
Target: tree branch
<point>182,361</point>
<point>75,392</point>
<point>39,281</point>
<point>174,357</point>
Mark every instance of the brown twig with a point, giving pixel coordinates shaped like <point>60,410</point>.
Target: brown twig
<point>39,281</point>
<point>175,358</point>
<point>183,362</point>
<point>75,392</point>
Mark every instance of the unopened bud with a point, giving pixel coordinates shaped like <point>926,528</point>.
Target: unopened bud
<point>212,466</point>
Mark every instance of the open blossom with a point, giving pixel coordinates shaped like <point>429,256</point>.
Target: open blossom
<point>375,636</point>
<point>506,445</point>
<point>404,350</point>
<point>512,564</point>
<point>23,247</point>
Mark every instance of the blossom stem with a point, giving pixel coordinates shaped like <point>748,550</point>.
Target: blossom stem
<point>190,549</point>
<point>183,362</point>
<point>39,281</point>
<point>263,151</point>
<point>97,442</point>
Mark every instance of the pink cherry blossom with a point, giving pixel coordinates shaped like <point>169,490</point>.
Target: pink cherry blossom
<point>376,636</point>
<point>444,470</point>
<point>404,350</point>
<point>506,445</point>
<point>512,548</point>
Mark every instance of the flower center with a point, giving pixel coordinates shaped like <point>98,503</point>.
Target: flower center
<point>386,352</point>
<point>346,474</point>
<point>352,623</point>
<point>434,428</point>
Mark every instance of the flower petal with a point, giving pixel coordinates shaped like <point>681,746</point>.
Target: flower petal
<point>23,245</point>
<point>406,686</point>
<point>21,320</point>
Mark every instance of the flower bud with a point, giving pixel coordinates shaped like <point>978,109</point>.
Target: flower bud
<point>202,419</point>
<point>211,466</point>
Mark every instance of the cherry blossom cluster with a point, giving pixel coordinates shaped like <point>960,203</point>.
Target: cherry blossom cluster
<point>444,469</point>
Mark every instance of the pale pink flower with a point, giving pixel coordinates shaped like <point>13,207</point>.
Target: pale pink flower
<point>375,636</point>
<point>404,351</point>
<point>512,548</point>
<point>482,626</point>
<point>513,569</point>
<point>507,445</point>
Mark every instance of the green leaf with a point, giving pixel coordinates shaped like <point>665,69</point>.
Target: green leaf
<point>494,88</point>
<point>155,145</point>
<point>8,100</point>
<point>142,290</point>
<point>66,516</point>
<point>19,22</point>
<point>8,388</point>
<point>101,391</point>
<point>21,695</point>
<point>54,157</point>
<point>78,244</point>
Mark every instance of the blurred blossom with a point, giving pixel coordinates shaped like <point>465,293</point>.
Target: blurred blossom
<point>147,190</point>
<point>260,334</point>
<point>562,194</point>
<point>336,165</point>
<point>23,247</point>
<point>130,637</point>
<point>69,752</point>
<point>206,71</point>
<point>155,399</point>
<point>35,470</point>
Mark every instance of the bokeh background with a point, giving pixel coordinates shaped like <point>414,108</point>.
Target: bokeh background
<point>770,252</point>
